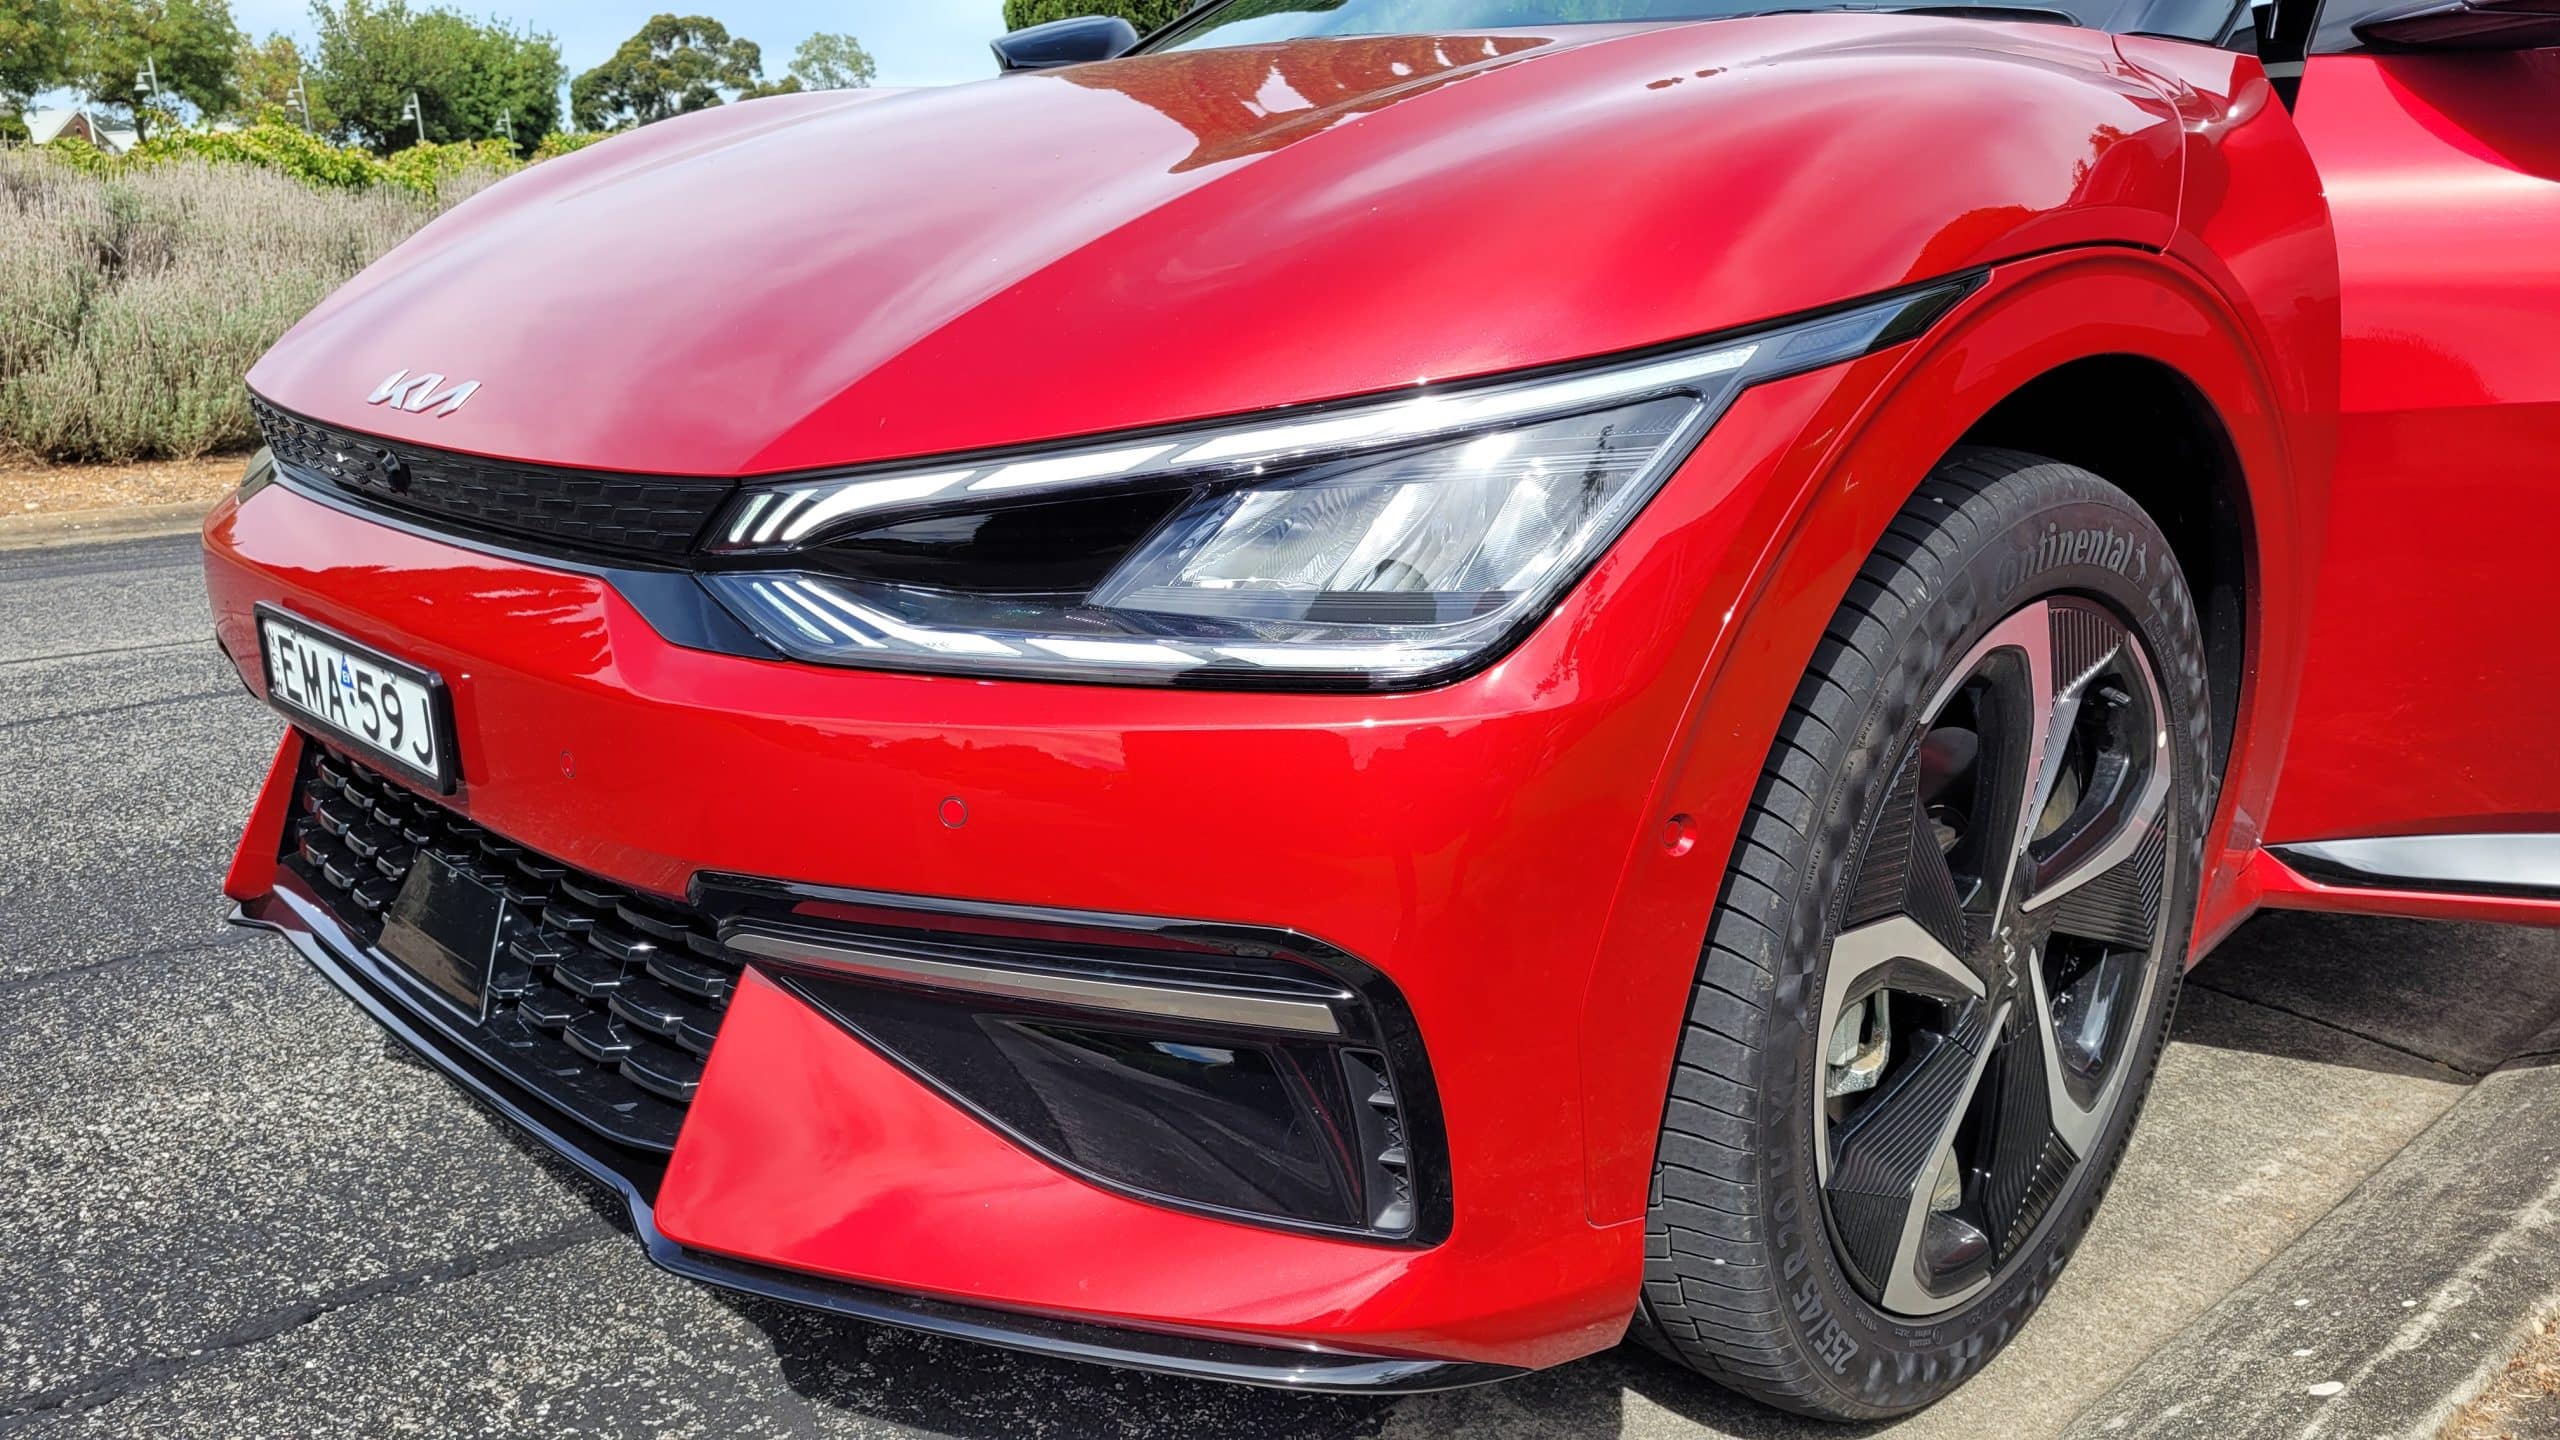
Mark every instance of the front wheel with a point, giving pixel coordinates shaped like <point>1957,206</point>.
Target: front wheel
<point>1942,965</point>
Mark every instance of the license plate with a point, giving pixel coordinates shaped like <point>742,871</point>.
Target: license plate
<point>444,927</point>
<point>389,709</point>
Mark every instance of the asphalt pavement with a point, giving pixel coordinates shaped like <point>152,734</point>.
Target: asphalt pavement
<point>229,1206</point>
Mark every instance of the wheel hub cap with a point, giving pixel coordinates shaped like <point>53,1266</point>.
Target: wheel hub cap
<point>2004,931</point>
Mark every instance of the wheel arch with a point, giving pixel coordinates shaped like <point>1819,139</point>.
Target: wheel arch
<point>2025,362</point>
<point>2150,431</point>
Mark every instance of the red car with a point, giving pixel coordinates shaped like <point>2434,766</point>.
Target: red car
<point>1392,688</point>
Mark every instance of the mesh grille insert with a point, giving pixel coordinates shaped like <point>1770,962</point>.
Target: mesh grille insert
<point>603,1002</point>
<point>648,517</point>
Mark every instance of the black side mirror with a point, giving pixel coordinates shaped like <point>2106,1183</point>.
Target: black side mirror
<point>1066,42</point>
<point>2467,25</point>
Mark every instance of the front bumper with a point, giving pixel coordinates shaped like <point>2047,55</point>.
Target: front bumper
<point>294,913</point>
<point>1495,847</point>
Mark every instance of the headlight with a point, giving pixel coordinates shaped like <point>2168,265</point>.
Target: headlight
<point>1366,546</point>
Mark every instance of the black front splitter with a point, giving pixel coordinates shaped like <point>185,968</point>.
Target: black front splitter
<point>634,1176</point>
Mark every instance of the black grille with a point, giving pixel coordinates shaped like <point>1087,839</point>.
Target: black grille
<point>603,1002</point>
<point>650,517</point>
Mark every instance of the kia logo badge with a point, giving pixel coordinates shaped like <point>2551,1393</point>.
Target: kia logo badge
<point>418,393</point>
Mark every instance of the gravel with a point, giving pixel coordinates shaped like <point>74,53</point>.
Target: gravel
<point>54,489</point>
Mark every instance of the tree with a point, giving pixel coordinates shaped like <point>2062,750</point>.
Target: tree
<point>832,62</point>
<point>266,75</point>
<point>676,64</point>
<point>468,77</point>
<point>32,50</point>
<point>187,44</point>
<point>1147,15</point>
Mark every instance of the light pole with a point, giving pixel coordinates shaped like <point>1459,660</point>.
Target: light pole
<point>416,114</point>
<point>146,85</point>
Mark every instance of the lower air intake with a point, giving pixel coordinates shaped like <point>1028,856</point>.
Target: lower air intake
<point>602,1002</point>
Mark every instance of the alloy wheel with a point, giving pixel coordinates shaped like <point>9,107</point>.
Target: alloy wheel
<point>2003,934</point>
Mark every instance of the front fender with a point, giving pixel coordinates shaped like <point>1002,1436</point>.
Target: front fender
<point>1799,530</point>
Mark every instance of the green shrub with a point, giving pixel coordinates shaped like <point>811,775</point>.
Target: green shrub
<point>1147,15</point>
<point>55,229</point>
<point>556,144</point>
<point>80,155</point>
<point>285,148</point>
<point>133,296</point>
<point>136,290</point>
<point>422,170</point>
<point>270,145</point>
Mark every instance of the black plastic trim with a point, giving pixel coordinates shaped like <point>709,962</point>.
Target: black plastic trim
<point>636,1178</point>
<point>345,961</point>
<point>428,1010</point>
<point>673,602</point>
<point>1076,40</point>
<point>735,897</point>
<point>607,514</point>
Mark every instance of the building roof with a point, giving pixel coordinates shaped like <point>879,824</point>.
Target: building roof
<point>46,126</point>
<point>43,126</point>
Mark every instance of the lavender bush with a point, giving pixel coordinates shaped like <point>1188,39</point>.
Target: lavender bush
<point>132,301</point>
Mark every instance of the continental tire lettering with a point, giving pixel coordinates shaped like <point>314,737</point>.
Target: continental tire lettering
<point>2102,546</point>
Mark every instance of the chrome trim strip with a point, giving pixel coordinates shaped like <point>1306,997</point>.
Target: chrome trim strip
<point>1217,1007</point>
<point>1712,367</point>
<point>1249,447</point>
<point>2510,864</point>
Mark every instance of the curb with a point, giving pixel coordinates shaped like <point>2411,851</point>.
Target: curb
<point>2393,1310</point>
<point>94,527</point>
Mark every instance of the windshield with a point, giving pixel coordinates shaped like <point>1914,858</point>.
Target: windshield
<point>1253,22</point>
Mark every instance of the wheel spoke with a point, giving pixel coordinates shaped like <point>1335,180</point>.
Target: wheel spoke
<point>1896,953</point>
<point>2114,836</point>
<point>1890,1157</point>
<point>1904,869</point>
<point>1897,940</point>
<point>2076,1123</point>
<point>2028,1161</point>
<point>2102,948</point>
<point>2016,659</point>
<point>2119,905</point>
<point>2126,785</point>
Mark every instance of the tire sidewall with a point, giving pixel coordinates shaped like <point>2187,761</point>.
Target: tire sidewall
<point>2044,531</point>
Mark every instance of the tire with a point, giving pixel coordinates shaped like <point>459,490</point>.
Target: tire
<point>1800,1246</point>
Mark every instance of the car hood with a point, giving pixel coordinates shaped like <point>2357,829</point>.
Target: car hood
<point>838,278</point>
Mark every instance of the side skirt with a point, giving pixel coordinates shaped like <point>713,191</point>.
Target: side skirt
<point>2493,879</point>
